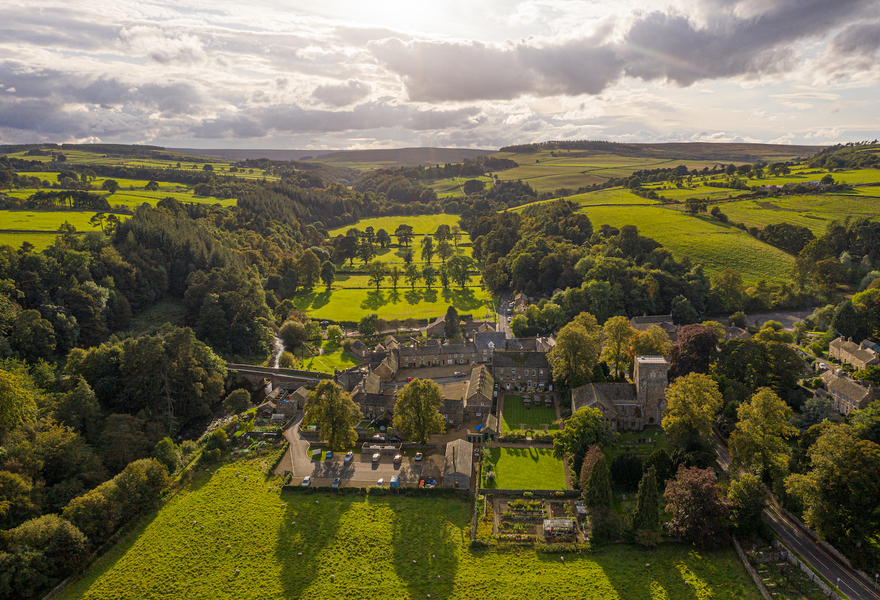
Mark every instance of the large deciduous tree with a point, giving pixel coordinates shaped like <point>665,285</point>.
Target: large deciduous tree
<point>693,352</point>
<point>653,342</point>
<point>417,410</point>
<point>292,333</point>
<point>618,333</point>
<point>758,440</point>
<point>699,512</point>
<point>576,351</point>
<point>582,430</point>
<point>747,498</point>
<point>691,404</point>
<point>335,413</point>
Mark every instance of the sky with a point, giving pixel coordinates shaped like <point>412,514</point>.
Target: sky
<point>339,74</point>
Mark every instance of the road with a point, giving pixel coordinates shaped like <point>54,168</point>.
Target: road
<point>503,312</point>
<point>360,472</point>
<point>793,535</point>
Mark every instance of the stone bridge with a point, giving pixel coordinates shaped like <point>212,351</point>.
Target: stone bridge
<point>260,376</point>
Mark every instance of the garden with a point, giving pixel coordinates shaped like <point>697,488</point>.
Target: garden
<point>516,414</point>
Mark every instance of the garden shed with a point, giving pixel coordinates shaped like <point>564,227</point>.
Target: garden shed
<point>458,466</point>
<point>559,527</point>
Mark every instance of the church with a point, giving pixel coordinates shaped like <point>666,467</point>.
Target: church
<point>629,406</point>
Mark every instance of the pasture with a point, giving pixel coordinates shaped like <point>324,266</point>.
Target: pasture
<point>515,414</point>
<point>421,224</point>
<point>394,255</point>
<point>48,220</point>
<point>814,212</point>
<point>351,304</point>
<point>40,241</point>
<point>716,245</point>
<point>527,469</point>
<point>324,546</point>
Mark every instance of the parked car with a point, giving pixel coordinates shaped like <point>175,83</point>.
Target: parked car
<point>376,457</point>
<point>394,438</point>
<point>408,379</point>
<point>397,459</point>
<point>458,374</point>
<point>379,437</point>
<point>307,481</point>
<point>418,456</point>
<point>381,482</point>
<point>349,456</point>
<point>329,454</point>
<point>336,482</point>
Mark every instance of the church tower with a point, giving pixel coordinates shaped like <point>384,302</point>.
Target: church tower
<point>650,377</point>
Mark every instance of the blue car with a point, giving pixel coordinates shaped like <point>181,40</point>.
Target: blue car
<point>329,454</point>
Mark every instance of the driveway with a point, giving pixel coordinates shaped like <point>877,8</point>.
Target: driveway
<point>787,317</point>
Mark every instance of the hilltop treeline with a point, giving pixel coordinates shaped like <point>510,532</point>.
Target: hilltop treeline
<point>587,145</point>
<point>471,167</point>
<point>852,155</point>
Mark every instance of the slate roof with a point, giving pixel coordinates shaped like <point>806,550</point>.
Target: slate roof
<point>481,383</point>
<point>854,350</point>
<point>610,398</point>
<point>459,458</point>
<point>856,393</point>
<point>504,359</point>
<point>482,339</point>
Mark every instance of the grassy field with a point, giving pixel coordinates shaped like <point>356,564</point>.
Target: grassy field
<point>527,469</point>
<point>394,256</point>
<point>48,220</point>
<point>515,413</point>
<point>421,224</point>
<point>813,212</point>
<point>421,303</point>
<point>334,356</point>
<point>716,245</point>
<point>40,241</point>
<point>325,547</point>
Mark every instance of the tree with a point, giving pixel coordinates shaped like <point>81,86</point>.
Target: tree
<point>404,235</point>
<point>728,288</point>
<point>366,250</point>
<point>111,185</point>
<point>582,430</point>
<point>451,324</point>
<point>747,500</point>
<point>376,272</point>
<point>368,324</point>
<point>662,465</point>
<point>313,331</point>
<point>691,404</point>
<point>653,342</point>
<point>334,333</point>
<point>417,411</point>
<point>699,512</point>
<point>815,410</point>
<point>123,441</point>
<point>335,413</point>
<point>460,269</point>
<point>519,325</point>
<point>408,257</point>
<point>208,167</point>
<point>292,333</point>
<point>429,274</point>
<point>866,422</point>
<point>626,471</point>
<point>287,360</point>
<point>347,248</point>
<point>309,268</point>
<point>237,401</point>
<point>18,401</point>
<point>456,234</point>
<point>328,273</point>
<point>495,279</point>
<point>32,337</point>
<point>595,482</point>
<point>167,453</point>
<point>152,186</point>
<point>683,312</point>
<point>383,239</point>
<point>443,233</point>
<point>618,333</point>
<point>412,274</point>
<point>694,351</point>
<point>445,250</point>
<point>394,274</point>
<point>427,248</point>
<point>647,515</point>
<point>576,351</point>
<point>841,491</point>
<point>758,440</point>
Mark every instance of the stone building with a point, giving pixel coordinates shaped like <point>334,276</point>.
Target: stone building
<point>629,406</point>
<point>858,355</point>
<point>847,395</point>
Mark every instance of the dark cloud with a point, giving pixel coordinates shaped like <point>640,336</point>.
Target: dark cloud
<point>658,45</point>
<point>342,94</point>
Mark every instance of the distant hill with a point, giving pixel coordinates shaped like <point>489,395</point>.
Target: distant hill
<point>400,157</point>
<point>707,151</point>
<point>235,154</point>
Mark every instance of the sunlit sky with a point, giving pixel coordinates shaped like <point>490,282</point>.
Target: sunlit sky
<point>335,74</point>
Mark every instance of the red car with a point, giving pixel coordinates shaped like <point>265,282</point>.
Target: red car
<point>408,379</point>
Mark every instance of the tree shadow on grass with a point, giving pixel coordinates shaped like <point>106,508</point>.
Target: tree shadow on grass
<point>374,301</point>
<point>430,539</point>
<point>312,300</point>
<point>309,524</point>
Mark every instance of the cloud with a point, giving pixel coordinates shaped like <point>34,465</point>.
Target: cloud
<point>165,48</point>
<point>342,94</point>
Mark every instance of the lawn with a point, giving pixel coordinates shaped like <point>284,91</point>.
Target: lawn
<point>527,469</point>
<point>48,220</point>
<point>421,224</point>
<point>421,303</point>
<point>288,546</point>
<point>515,413</point>
<point>334,356</point>
<point>40,241</point>
<point>717,245</point>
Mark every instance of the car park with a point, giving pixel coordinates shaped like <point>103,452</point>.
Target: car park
<point>307,481</point>
<point>336,482</point>
<point>349,456</point>
<point>376,457</point>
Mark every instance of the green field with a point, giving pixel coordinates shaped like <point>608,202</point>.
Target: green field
<point>717,245</point>
<point>515,413</point>
<point>40,241</point>
<point>288,546</point>
<point>421,224</point>
<point>48,220</point>
<point>815,212</point>
<point>420,303</point>
<point>393,255</point>
<point>334,356</point>
<point>527,469</point>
